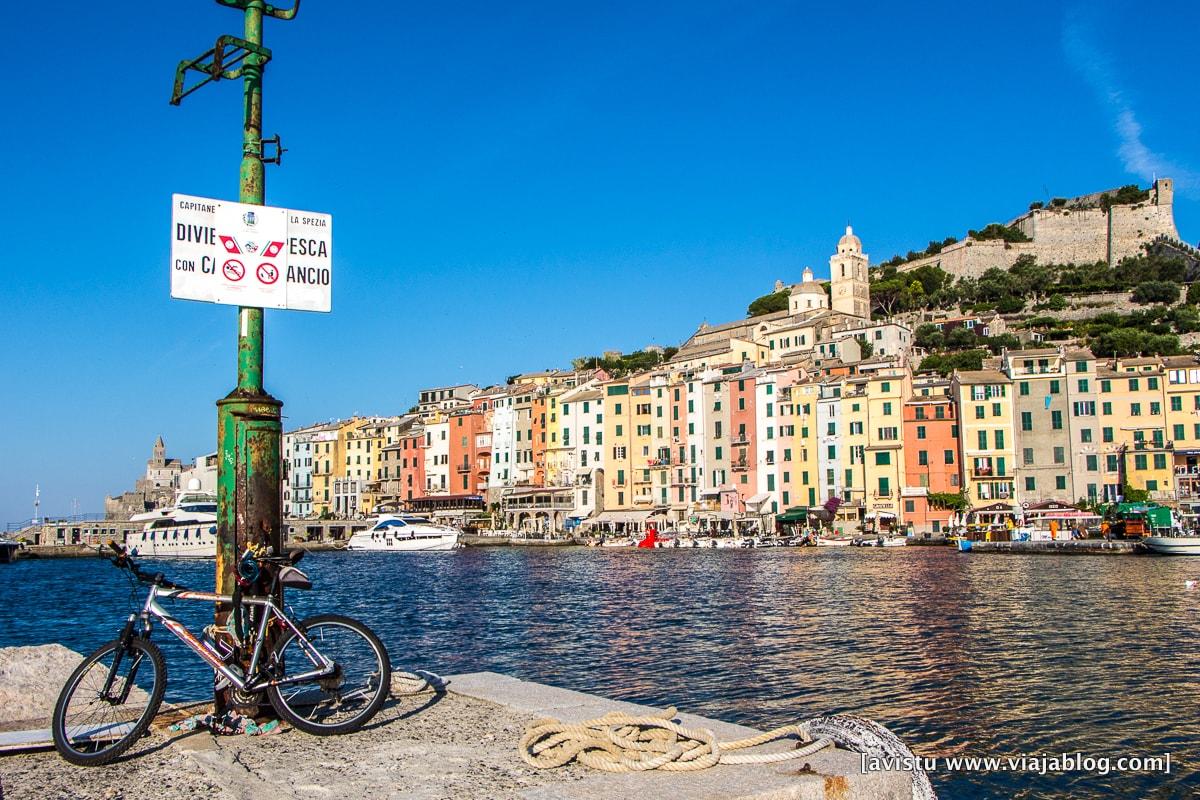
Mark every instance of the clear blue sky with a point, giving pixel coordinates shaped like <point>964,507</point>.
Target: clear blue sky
<point>515,184</point>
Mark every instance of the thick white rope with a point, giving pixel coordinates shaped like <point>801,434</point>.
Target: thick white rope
<point>620,742</point>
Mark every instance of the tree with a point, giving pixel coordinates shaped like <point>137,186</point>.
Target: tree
<point>928,337</point>
<point>1056,302</point>
<point>866,348</point>
<point>769,303</point>
<point>1132,495</point>
<point>1033,279</point>
<point>1193,294</point>
<point>961,338</point>
<point>1155,292</point>
<point>1010,305</point>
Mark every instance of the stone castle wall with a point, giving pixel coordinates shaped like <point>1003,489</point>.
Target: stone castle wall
<point>1066,236</point>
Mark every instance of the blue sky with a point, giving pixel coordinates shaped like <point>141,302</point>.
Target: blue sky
<point>515,184</point>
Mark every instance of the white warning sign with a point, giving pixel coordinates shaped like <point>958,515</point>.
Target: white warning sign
<point>247,255</point>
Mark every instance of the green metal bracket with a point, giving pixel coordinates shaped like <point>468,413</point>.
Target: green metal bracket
<point>225,60</point>
<point>269,10</point>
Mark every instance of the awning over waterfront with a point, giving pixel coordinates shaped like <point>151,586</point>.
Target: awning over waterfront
<point>794,514</point>
<point>758,499</point>
<point>621,516</point>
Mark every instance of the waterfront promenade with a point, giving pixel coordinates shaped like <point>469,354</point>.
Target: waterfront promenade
<point>459,741</point>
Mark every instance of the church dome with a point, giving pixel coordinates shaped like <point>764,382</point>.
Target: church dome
<point>810,287</point>
<point>849,242</point>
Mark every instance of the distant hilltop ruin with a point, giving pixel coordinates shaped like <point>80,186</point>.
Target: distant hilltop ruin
<point>1104,226</point>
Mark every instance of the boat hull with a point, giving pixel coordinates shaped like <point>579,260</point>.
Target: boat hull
<point>393,544</point>
<point>1173,545</point>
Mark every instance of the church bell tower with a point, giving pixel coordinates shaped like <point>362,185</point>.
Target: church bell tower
<point>849,284</point>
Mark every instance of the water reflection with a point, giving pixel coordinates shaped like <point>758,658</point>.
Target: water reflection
<point>981,655</point>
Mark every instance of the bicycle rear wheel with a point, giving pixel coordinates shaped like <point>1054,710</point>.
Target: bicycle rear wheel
<point>345,700</point>
<point>92,726</point>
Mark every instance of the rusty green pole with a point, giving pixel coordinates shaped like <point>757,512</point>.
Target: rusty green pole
<point>248,419</point>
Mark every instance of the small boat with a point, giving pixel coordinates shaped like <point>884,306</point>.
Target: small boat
<point>187,529</point>
<point>405,533</point>
<point>834,541</point>
<point>1173,545</point>
<point>619,543</point>
<point>964,544</point>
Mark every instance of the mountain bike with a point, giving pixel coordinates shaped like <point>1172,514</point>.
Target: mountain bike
<point>325,675</point>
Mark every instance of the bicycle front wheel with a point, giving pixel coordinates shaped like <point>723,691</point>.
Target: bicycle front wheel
<point>346,699</point>
<point>96,719</point>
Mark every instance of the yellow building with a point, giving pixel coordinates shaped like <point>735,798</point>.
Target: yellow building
<point>986,435</point>
<point>883,461</point>
<point>618,444</point>
<point>1133,419</point>
<point>1183,428</point>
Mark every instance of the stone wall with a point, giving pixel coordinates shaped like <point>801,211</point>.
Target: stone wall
<point>1066,236</point>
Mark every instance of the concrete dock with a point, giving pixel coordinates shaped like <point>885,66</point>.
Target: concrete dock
<point>459,742</point>
<point>1116,547</point>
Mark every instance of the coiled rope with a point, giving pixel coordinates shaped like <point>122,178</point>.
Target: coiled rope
<point>621,742</point>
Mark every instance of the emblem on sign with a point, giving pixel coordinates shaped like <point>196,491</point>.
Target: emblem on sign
<point>249,218</point>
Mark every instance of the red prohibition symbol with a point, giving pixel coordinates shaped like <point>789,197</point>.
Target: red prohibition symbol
<point>233,270</point>
<point>267,273</point>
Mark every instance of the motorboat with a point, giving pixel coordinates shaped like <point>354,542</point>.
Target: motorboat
<point>882,541</point>
<point>188,529</point>
<point>833,541</point>
<point>405,533</point>
<point>1176,544</point>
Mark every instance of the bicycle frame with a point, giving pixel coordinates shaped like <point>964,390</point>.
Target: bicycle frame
<point>252,681</point>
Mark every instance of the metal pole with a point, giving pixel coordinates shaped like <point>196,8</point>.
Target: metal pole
<point>248,420</point>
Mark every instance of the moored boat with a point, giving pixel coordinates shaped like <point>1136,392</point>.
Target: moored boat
<point>1176,545</point>
<point>187,529</point>
<point>405,533</point>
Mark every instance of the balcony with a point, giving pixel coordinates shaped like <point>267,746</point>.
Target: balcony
<point>739,439</point>
<point>741,465</point>
<point>463,468</point>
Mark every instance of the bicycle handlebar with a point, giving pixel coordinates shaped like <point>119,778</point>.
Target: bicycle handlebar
<point>122,560</point>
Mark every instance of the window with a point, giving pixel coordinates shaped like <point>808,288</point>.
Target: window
<point>1178,432</point>
<point>979,412</point>
<point>1026,420</point>
<point>885,489</point>
<point>882,459</point>
<point>999,440</point>
<point>1060,482</point>
<point>1027,455</point>
<point>1084,408</point>
<point>1176,403</point>
<point>1105,386</point>
<point>1135,409</point>
<point>1024,391</point>
<point>1155,409</point>
<point>923,458</point>
<point>1060,456</point>
<point>949,456</point>
<point>1081,366</point>
<point>1093,464</point>
<point>1083,384</point>
<point>920,431</point>
<point>1030,484</point>
<point>1139,461</point>
<point>1106,435</point>
<point>983,440</point>
<point>1111,464</point>
<point>1056,420</point>
<point>887,409</point>
<point>1152,383</point>
<point>1053,387</point>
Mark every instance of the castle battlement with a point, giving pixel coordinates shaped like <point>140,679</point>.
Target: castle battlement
<point>1080,232</point>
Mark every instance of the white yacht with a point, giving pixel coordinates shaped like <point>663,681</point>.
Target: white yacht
<point>405,533</point>
<point>187,529</point>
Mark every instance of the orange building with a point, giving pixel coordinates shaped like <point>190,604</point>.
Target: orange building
<point>930,453</point>
<point>412,464</point>
<point>470,451</point>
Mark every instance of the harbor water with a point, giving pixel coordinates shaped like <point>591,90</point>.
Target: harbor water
<point>960,655</point>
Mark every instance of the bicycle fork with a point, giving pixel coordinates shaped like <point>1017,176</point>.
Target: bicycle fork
<point>123,649</point>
